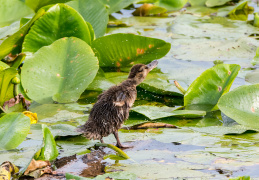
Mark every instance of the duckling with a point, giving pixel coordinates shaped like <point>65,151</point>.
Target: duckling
<point>113,106</point>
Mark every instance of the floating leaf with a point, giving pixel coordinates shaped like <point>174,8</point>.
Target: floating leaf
<point>100,82</point>
<point>116,5</point>
<point>7,9</point>
<point>52,27</point>
<point>253,77</point>
<point>213,3</point>
<point>112,175</point>
<point>241,11</point>
<point>155,112</point>
<point>242,105</point>
<point>256,58</point>
<point>171,5</point>
<point>6,85</point>
<point>49,150</point>
<point>7,169</point>
<point>118,50</point>
<point>13,43</point>
<point>93,12</point>
<point>197,2</point>
<point>211,85</point>
<point>37,4</point>
<point>71,67</point>
<point>14,128</point>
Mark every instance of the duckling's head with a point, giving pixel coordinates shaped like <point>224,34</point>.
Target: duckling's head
<point>139,72</point>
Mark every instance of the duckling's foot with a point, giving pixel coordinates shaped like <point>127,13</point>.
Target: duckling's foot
<point>119,145</point>
<point>124,147</point>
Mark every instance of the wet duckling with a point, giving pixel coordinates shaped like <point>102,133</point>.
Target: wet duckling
<point>113,106</point>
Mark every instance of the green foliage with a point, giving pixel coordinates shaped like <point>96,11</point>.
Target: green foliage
<point>12,10</point>
<point>59,72</point>
<point>118,50</point>
<point>116,5</point>
<point>49,150</point>
<point>93,12</point>
<point>37,4</point>
<point>6,86</point>
<point>3,66</point>
<point>242,105</point>
<point>171,4</point>
<point>211,85</point>
<point>14,128</point>
<point>120,154</point>
<point>241,11</point>
<point>13,43</point>
<point>59,21</point>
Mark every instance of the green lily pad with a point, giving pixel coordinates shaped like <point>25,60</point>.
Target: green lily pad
<point>242,105</point>
<point>37,4</point>
<point>6,86</point>
<point>43,34</point>
<point>49,151</point>
<point>197,2</point>
<point>154,112</point>
<point>118,50</point>
<point>241,11</point>
<point>116,5</point>
<point>93,12</point>
<point>13,43</point>
<point>253,77</point>
<point>256,58</point>
<point>7,9</point>
<point>149,9</point>
<point>211,85</point>
<point>14,128</point>
<point>70,65</point>
<point>171,5</point>
<point>213,3</point>
<point>100,82</point>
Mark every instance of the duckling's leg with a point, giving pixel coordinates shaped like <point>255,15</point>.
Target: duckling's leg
<point>117,139</point>
<point>101,140</point>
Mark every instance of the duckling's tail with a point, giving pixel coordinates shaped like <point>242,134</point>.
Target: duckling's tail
<point>89,133</point>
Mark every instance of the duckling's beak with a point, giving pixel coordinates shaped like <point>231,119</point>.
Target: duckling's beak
<point>152,65</point>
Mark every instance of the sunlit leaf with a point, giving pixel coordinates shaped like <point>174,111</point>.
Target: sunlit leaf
<point>59,21</point>
<point>3,66</point>
<point>171,5</point>
<point>70,65</point>
<point>117,5</point>
<point>242,105</point>
<point>13,43</point>
<point>93,12</point>
<point>37,4</point>
<point>253,77</point>
<point>49,150</point>
<point>241,11</point>
<point>211,85</point>
<point>213,3</point>
<point>148,9</point>
<point>118,50</point>
<point>14,128</point>
<point>12,10</point>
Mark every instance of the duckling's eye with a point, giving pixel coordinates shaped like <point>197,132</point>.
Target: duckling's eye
<point>146,67</point>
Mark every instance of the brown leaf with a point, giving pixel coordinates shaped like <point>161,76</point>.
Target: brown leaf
<point>7,169</point>
<point>16,100</point>
<point>151,125</point>
<point>36,165</point>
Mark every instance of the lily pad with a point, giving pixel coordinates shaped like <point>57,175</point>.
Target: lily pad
<point>155,112</point>
<point>213,3</point>
<point>253,77</point>
<point>93,12</point>
<point>116,5</point>
<point>241,11</point>
<point>71,67</point>
<point>211,85</point>
<point>13,43</point>
<point>37,4</point>
<point>7,9</point>
<point>171,5</point>
<point>43,34</point>
<point>118,50</point>
<point>100,82</point>
<point>14,128</point>
<point>242,105</point>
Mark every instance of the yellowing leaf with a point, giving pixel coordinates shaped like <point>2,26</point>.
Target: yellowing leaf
<point>33,116</point>
<point>7,169</point>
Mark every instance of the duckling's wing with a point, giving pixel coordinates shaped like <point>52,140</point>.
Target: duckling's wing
<point>120,98</point>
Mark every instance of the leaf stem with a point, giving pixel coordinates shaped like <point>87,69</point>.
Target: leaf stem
<point>179,87</point>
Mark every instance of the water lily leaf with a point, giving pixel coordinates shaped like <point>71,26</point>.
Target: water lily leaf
<point>197,2</point>
<point>211,85</point>
<point>7,9</point>
<point>49,151</point>
<point>13,43</point>
<point>256,58</point>
<point>93,12</point>
<point>213,3</point>
<point>241,11</point>
<point>148,9</point>
<point>119,49</point>
<point>43,34</point>
<point>240,178</point>
<point>171,5</point>
<point>113,175</point>
<point>100,82</point>
<point>37,4</point>
<point>242,105</point>
<point>256,20</point>
<point>155,112</point>
<point>253,77</point>
<point>116,5</point>
<point>3,66</point>
<point>71,67</point>
<point>14,128</point>
<point>6,85</point>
